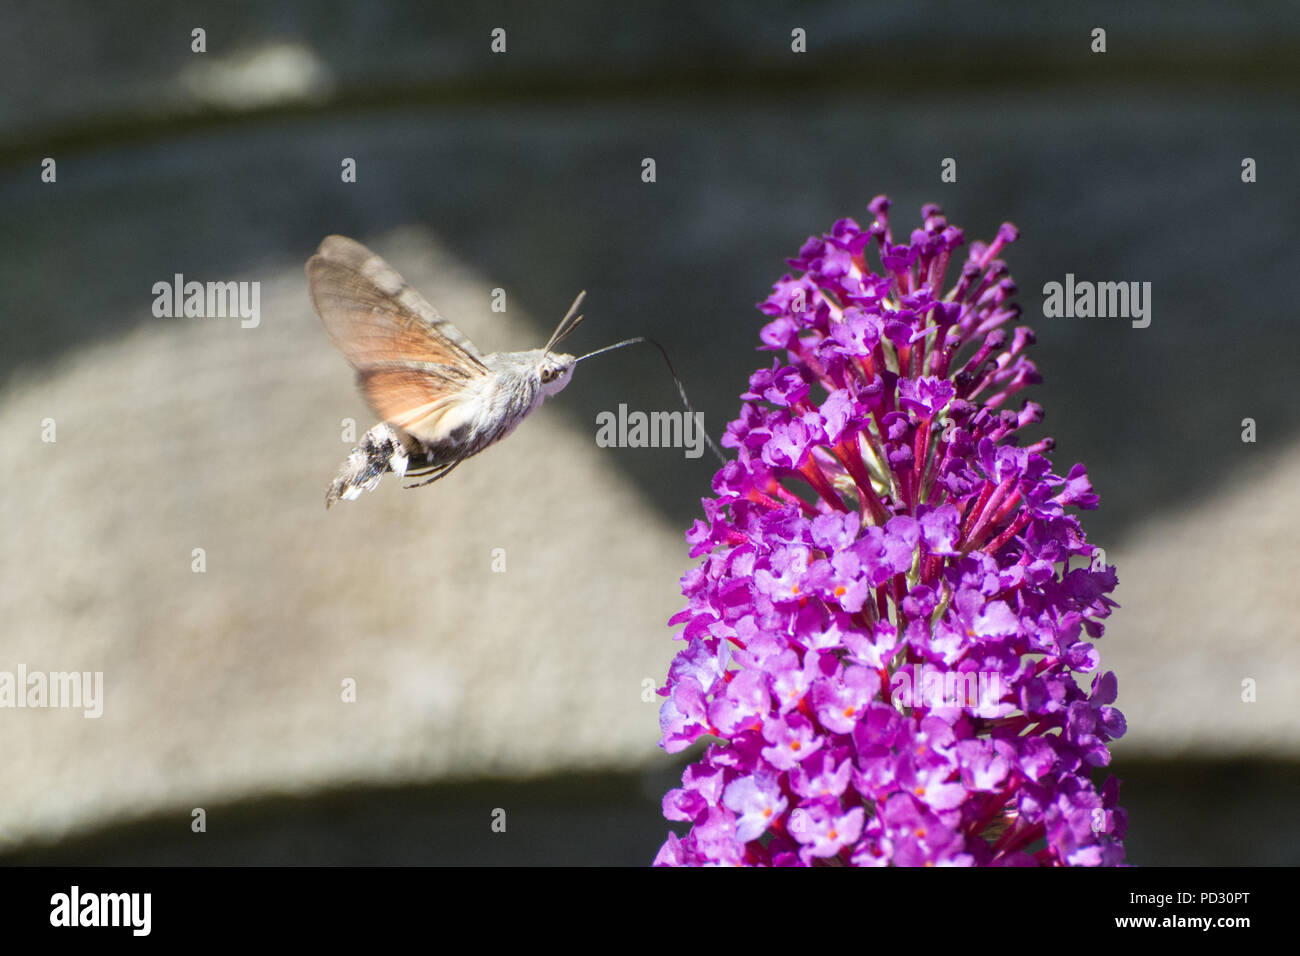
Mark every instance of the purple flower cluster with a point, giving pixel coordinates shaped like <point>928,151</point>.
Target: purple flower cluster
<point>885,631</point>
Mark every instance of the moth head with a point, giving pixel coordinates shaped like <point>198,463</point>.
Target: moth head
<point>554,371</point>
<point>555,368</point>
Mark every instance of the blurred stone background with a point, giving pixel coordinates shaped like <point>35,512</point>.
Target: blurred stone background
<point>523,690</point>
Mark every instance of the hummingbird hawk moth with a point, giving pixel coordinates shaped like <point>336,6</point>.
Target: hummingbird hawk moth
<point>440,399</point>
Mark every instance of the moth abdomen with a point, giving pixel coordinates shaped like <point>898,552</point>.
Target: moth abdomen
<point>381,450</point>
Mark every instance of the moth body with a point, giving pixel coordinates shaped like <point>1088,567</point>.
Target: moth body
<point>490,408</point>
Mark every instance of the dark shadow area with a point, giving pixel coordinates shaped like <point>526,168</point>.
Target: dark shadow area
<point>545,199</point>
<point>1185,813</point>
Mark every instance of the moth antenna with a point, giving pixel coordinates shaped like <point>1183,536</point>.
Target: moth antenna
<point>577,321</point>
<point>560,330</point>
<point>681,389</point>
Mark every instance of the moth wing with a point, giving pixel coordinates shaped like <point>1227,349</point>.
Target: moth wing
<point>423,399</point>
<point>375,318</point>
